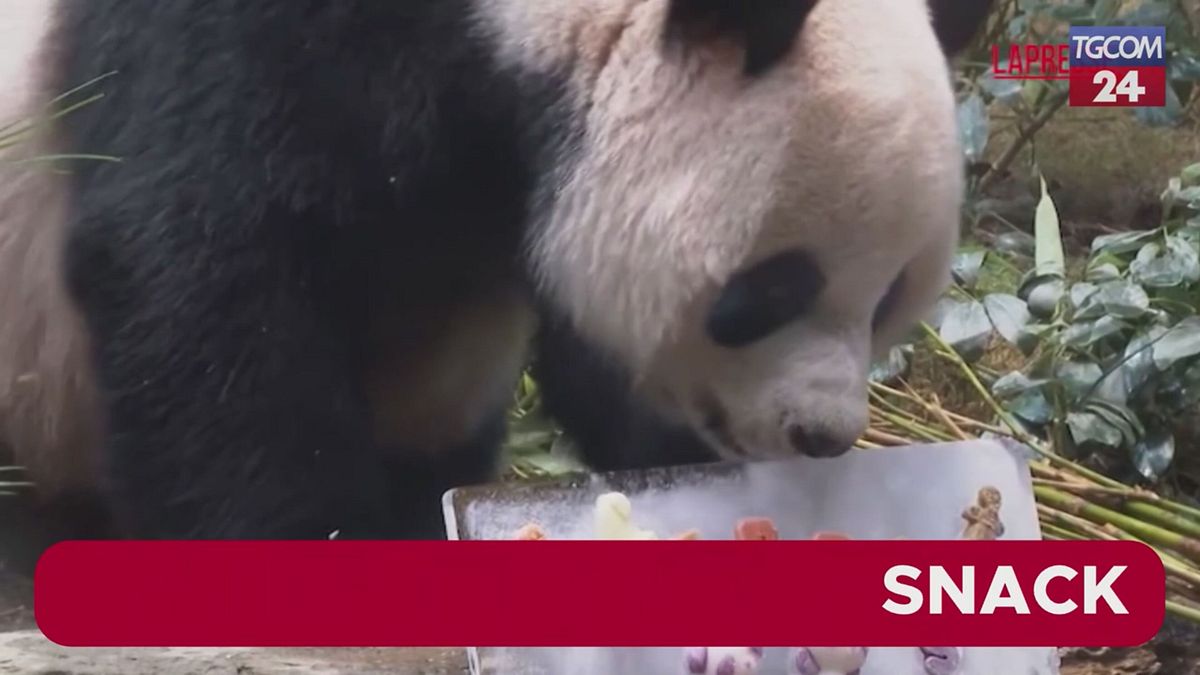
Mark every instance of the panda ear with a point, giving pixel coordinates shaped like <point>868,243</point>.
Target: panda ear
<point>767,29</point>
<point>956,22</point>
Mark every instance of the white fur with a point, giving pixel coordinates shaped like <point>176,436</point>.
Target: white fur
<point>689,172</point>
<point>47,402</point>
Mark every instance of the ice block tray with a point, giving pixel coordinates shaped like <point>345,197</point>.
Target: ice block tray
<point>916,492</point>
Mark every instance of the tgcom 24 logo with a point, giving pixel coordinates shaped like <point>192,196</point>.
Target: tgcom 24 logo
<point>1106,66</point>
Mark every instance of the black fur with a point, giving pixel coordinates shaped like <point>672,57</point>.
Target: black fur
<point>957,22</point>
<point>294,173</point>
<point>760,300</point>
<point>588,393</point>
<point>767,29</point>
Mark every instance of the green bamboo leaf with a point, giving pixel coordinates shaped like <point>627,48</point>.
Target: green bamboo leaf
<point>1163,266</point>
<point>1122,242</point>
<point>1086,427</point>
<point>1086,334</point>
<point>1009,315</point>
<point>1079,377</point>
<point>967,328</point>
<point>1190,176</point>
<point>1081,295</point>
<point>1180,342</point>
<point>1019,243</point>
<point>1050,258</point>
<point>1103,272</point>
<point>1015,384</point>
<point>966,267</point>
<point>945,305</point>
<point>973,127</point>
<point>894,365</point>
<point>1153,454</point>
<point>1032,335</point>
<point>1007,90</point>
<point>1138,360</point>
<point>1043,294</point>
<point>1120,417</point>
<point>1032,406</point>
<point>1122,299</point>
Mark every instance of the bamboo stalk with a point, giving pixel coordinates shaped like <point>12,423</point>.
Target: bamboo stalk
<point>1061,533</point>
<point>877,436</point>
<point>1084,526</point>
<point>919,430</point>
<point>1180,571</point>
<point>1038,445</point>
<point>1083,489</point>
<point>1153,534</point>
<point>1174,567</point>
<point>959,419</point>
<point>941,413</point>
<point>1174,507</point>
<point>1174,521</point>
<point>1135,500</point>
<point>1043,470</point>
<point>1184,611</point>
<point>1182,589</point>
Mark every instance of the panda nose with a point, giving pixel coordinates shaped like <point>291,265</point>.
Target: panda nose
<point>816,443</point>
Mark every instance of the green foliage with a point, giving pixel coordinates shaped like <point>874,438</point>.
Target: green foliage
<point>535,446</point>
<point>1113,352</point>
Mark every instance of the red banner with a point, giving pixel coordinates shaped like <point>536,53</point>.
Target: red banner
<point>582,594</point>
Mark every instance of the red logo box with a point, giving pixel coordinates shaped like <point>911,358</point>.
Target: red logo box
<point>1100,87</point>
<point>1122,67</point>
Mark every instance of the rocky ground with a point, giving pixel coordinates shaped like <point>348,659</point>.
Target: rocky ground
<point>23,651</point>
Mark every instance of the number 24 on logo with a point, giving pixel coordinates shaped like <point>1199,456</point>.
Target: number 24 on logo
<point>1128,87</point>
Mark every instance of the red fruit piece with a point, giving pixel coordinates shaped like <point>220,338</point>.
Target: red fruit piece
<point>531,532</point>
<point>756,529</point>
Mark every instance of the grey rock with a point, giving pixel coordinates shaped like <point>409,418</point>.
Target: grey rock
<point>30,653</point>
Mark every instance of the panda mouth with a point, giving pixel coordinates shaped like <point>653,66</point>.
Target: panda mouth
<point>732,445</point>
<point>725,439</point>
<point>716,422</point>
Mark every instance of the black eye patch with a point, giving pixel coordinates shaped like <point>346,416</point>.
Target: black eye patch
<point>768,30</point>
<point>762,299</point>
<point>956,22</point>
<point>887,304</point>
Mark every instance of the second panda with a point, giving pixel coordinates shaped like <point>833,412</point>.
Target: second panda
<point>297,304</point>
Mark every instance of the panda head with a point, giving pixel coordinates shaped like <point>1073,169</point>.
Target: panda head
<point>758,199</point>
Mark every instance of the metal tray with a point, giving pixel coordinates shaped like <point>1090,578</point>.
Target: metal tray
<point>916,492</point>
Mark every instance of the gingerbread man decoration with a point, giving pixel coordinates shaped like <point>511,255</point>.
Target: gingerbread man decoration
<point>983,517</point>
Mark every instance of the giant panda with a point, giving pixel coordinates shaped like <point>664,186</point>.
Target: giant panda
<point>296,304</point>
